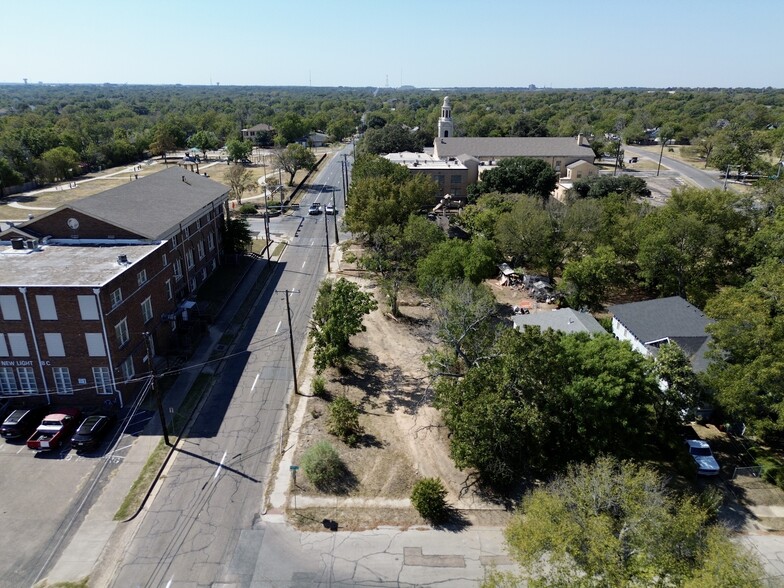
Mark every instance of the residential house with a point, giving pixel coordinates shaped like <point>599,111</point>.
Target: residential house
<point>260,134</point>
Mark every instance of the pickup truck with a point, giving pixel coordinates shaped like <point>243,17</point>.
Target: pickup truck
<point>54,429</point>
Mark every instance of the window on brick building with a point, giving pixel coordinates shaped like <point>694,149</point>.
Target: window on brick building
<point>9,308</point>
<point>7,381</point>
<point>178,269</point>
<point>127,369</point>
<point>103,380</point>
<point>46,309</point>
<point>169,290</point>
<point>141,277</point>
<point>88,308</point>
<point>54,344</point>
<point>121,331</point>
<point>95,345</point>
<point>116,297</point>
<point>211,241</point>
<point>62,380</point>
<point>165,260</point>
<point>189,258</point>
<point>147,309</point>
<point>18,344</point>
<point>200,248</point>
<point>27,383</point>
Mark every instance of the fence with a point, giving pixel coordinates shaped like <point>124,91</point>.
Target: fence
<point>752,472</point>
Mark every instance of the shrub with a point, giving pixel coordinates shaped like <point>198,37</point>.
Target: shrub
<point>248,209</point>
<point>343,421</point>
<point>429,499</point>
<point>322,465</point>
<point>319,387</point>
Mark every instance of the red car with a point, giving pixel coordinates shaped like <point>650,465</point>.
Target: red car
<point>54,429</point>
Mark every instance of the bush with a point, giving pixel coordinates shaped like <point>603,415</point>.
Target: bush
<point>248,209</point>
<point>429,499</point>
<point>319,387</point>
<point>343,420</point>
<point>322,465</point>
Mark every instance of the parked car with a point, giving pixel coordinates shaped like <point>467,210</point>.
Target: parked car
<point>91,431</point>
<point>702,455</point>
<point>330,209</point>
<point>55,429</point>
<point>314,208</point>
<point>20,423</point>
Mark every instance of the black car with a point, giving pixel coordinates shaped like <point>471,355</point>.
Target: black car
<point>21,423</point>
<point>91,431</point>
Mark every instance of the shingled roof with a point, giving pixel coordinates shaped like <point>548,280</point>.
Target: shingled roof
<point>513,147</point>
<point>565,320</point>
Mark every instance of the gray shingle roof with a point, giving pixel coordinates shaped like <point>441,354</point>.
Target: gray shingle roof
<point>513,147</point>
<point>670,318</point>
<point>563,319</point>
<point>151,206</point>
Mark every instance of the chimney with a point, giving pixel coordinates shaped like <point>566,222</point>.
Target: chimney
<point>183,178</point>
<point>580,139</point>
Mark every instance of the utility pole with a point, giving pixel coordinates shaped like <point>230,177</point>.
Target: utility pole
<point>335,217</point>
<point>291,337</point>
<point>326,235</point>
<point>617,155</point>
<point>156,392</point>
<point>661,153</point>
<point>343,179</point>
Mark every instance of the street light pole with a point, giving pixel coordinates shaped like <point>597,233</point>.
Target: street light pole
<point>335,217</point>
<point>291,337</point>
<point>326,234</point>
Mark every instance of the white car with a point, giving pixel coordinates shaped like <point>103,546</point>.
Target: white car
<point>702,455</point>
<point>330,209</point>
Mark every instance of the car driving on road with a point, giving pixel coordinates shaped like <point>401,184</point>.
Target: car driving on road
<point>330,209</point>
<point>314,208</point>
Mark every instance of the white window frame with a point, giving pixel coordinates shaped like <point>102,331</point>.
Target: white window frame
<point>127,369</point>
<point>169,290</point>
<point>141,277</point>
<point>178,269</point>
<point>189,258</point>
<point>62,380</point>
<point>147,309</point>
<point>210,241</point>
<point>102,376</point>
<point>192,285</point>
<point>200,249</point>
<point>27,382</point>
<point>165,260</point>
<point>7,381</point>
<point>122,333</point>
<point>116,297</point>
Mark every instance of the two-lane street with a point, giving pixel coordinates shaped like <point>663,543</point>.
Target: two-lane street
<point>198,530</point>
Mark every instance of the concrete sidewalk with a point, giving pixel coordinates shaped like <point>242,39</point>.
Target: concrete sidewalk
<point>90,540</point>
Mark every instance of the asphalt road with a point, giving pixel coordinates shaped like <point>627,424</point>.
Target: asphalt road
<point>698,177</point>
<point>196,530</point>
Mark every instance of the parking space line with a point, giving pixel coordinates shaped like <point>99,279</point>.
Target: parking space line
<point>255,381</point>
<point>278,327</point>
<point>220,465</point>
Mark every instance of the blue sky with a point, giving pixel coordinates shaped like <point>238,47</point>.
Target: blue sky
<point>451,43</point>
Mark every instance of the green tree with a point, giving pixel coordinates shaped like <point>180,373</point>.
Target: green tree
<point>747,370</point>
<point>8,175</point>
<point>537,400</point>
<point>586,280</point>
<point>391,138</point>
<point>239,150</point>
<point>294,158</point>
<point>337,316</point>
<point>601,186</point>
<point>379,201</point>
<point>203,141</point>
<point>343,421</point>
<point>679,385</point>
<point>454,260</point>
<point>521,175</point>
<point>429,499</point>
<point>290,127</point>
<point>59,163</point>
<point>615,524</point>
<point>236,236</point>
<point>240,180</point>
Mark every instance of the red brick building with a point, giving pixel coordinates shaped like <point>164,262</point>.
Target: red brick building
<point>80,286</point>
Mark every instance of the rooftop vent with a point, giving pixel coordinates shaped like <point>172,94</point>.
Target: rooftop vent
<point>122,259</point>
<point>17,243</point>
<point>31,244</point>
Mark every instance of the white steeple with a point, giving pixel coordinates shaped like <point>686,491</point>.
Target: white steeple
<point>445,128</point>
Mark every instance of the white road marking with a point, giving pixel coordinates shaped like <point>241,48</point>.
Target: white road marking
<point>220,465</point>
<point>123,447</point>
<point>278,327</point>
<point>254,383</point>
<point>169,583</point>
<point>21,449</point>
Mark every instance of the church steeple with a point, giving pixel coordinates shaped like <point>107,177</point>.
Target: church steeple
<point>445,128</point>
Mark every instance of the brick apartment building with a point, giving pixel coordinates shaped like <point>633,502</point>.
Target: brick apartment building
<point>80,286</point>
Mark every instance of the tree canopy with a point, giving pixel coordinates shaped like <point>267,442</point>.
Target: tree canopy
<point>294,158</point>
<point>520,175</point>
<point>614,523</point>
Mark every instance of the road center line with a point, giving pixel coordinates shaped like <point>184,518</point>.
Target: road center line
<point>254,382</point>
<point>220,465</point>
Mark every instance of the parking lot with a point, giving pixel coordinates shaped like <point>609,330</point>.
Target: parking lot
<point>43,493</point>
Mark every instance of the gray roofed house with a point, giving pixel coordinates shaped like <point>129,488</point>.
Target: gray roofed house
<point>650,323</point>
<point>565,320</point>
